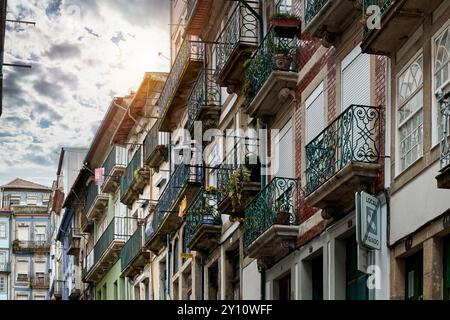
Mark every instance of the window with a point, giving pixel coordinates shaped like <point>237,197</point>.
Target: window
<point>14,200</point>
<point>441,65</point>
<point>39,297</point>
<point>32,200</point>
<point>283,6</point>
<point>40,233</point>
<point>410,113</point>
<point>22,296</point>
<point>176,256</point>
<point>2,284</point>
<point>3,232</point>
<point>315,114</point>
<point>23,233</point>
<point>22,268</point>
<point>39,270</point>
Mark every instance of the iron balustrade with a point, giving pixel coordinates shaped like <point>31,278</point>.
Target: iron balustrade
<point>88,262</point>
<point>190,8</point>
<point>154,139</point>
<point>40,281</point>
<point>263,62</point>
<point>57,287</point>
<point>92,193</point>
<point>132,248</point>
<point>182,175</point>
<point>117,230</point>
<point>203,211</point>
<point>352,137</point>
<point>241,28</point>
<point>277,203</point>
<point>383,5</point>
<point>116,158</point>
<point>312,8</point>
<point>190,50</point>
<point>206,92</point>
<point>132,168</point>
<point>31,245</point>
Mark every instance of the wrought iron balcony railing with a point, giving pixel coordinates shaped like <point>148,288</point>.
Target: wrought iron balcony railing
<point>5,267</point>
<point>31,246</point>
<point>312,8</point>
<point>40,282</point>
<point>154,139</point>
<point>206,93</point>
<point>88,263</point>
<point>353,137</point>
<point>191,6</point>
<point>93,193</point>
<point>383,5</point>
<point>263,62</point>
<point>117,230</point>
<point>57,288</point>
<point>241,28</point>
<point>190,50</point>
<point>116,158</point>
<point>74,241</point>
<point>182,175</point>
<point>132,248</point>
<point>132,169</point>
<point>277,203</point>
<point>203,211</point>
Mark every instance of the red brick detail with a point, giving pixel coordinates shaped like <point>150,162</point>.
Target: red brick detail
<point>312,233</point>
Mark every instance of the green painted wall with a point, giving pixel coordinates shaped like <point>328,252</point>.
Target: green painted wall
<point>112,286</point>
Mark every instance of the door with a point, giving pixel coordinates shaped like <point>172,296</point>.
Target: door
<point>356,288</point>
<point>414,276</point>
<point>284,288</point>
<point>447,269</point>
<point>317,278</point>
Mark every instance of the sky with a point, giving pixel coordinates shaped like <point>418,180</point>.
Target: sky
<point>83,53</point>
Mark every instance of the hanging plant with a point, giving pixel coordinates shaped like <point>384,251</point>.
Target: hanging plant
<point>238,179</point>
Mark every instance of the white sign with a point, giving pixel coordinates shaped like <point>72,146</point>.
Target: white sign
<point>368,221</point>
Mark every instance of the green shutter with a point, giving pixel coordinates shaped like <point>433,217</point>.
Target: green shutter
<point>356,280</point>
<point>414,277</point>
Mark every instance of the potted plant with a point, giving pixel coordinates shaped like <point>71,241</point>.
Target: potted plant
<point>238,178</point>
<point>283,57</point>
<point>286,24</point>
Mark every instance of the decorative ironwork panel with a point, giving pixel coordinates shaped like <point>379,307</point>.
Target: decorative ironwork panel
<point>241,28</point>
<point>190,50</point>
<point>132,248</point>
<point>134,165</point>
<point>277,203</point>
<point>116,158</point>
<point>312,8</point>
<point>353,137</point>
<point>182,175</point>
<point>263,62</point>
<point>203,211</point>
<point>205,93</point>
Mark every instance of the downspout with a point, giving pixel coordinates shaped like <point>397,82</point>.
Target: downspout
<point>262,271</point>
<point>202,270</point>
<point>168,266</point>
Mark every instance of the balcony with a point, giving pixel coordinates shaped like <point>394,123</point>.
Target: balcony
<point>184,183</point>
<point>198,12</point>
<point>96,202</point>
<point>180,81</point>
<point>5,267</point>
<point>328,19</point>
<point>107,249</point>
<point>133,256</point>
<point>57,289</point>
<point>399,20</point>
<point>155,147</point>
<point>40,282</point>
<point>57,201</point>
<point>235,44</point>
<point>86,225</point>
<point>134,180</point>
<point>204,103</point>
<point>74,242</point>
<point>114,166</point>
<point>271,225</point>
<point>41,247</point>
<point>203,223</point>
<point>344,159</point>
<point>238,179</point>
<point>271,75</point>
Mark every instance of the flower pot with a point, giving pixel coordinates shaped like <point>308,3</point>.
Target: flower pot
<point>283,218</point>
<point>283,61</point>
<point>286,27</point>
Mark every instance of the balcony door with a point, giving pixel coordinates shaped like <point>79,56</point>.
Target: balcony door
<point>283,153</point>
<point>23,233</point>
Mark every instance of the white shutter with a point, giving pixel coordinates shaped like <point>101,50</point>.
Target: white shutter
<point>23,233</point>
<point>39,267</point>
<point>22,267</point>
<point>315,114</point>
<point>282,153</point>
<point>355,79</point>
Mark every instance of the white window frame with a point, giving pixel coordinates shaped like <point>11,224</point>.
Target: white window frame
<point>5,226</point>
<point>435,138</point>
<point>316,93</point>
<point>398,168</point>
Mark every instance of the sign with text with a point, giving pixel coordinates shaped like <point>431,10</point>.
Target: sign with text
<point>368,220</point>
<point>99,176</point>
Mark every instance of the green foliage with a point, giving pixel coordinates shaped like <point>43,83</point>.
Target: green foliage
<point>238,179</point>
<point>285,15</point>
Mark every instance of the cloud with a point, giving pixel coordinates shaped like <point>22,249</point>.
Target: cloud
<point>63,51</point>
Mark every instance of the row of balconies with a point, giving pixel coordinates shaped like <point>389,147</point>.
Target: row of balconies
<point>31,246</point>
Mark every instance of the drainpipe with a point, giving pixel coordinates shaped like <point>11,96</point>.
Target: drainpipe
<point>168,266</point>
<point>262,271</point>
<point>202,270</point>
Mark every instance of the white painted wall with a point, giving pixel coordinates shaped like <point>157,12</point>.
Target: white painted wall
<point>417,203</point>
<point>251,282</point>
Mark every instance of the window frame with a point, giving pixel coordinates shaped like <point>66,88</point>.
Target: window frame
<point>399,170</point>
<point>5,225</point>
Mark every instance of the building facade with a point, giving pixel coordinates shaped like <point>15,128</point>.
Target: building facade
<point>5,250</point>
<point>29,239</point>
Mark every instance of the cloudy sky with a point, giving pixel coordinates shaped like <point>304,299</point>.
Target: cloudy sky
<point>83,53</point>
